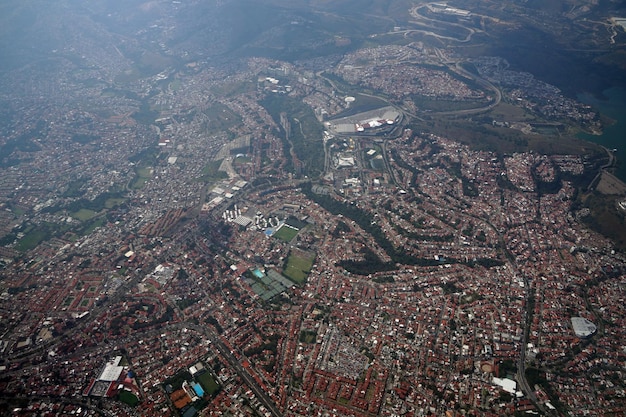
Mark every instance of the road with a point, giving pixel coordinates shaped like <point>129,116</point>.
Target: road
<point>520,376</point>
<point>241,371</point>
<point>609,164</point>
<point>457,68</point>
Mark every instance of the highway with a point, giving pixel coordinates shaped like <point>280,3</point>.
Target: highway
<point>528,391</point>
<point>241,371</point>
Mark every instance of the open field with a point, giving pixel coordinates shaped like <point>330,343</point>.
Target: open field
<point>128,398</point>
<point>286,233</point>
<point>211,172</point>
<point>84,214</point>
<point>298,267</point>
<point>113,202</point>
<point>610,185</point>
<point>32,239</point>
<point>208,383</point>
<point>142,176</point>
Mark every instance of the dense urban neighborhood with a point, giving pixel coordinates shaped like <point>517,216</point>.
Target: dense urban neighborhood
<point>304,237</point>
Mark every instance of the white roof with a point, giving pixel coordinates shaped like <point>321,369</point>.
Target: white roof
<point>243,221</point>
<point>507,384</point>
<point>583,327</point>
<point>345,161</point>
<point>217,200</point>
<point>111,373</point>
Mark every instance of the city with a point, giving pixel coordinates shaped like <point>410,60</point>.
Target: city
<point>276,238</point>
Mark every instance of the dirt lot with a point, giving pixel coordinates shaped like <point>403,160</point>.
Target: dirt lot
<point>611,185</point>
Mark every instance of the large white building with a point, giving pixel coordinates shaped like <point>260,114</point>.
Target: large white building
<point>583,327</point>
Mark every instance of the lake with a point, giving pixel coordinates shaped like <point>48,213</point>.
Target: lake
<point>614,136</point>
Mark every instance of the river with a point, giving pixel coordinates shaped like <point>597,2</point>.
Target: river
<point>614,136</point>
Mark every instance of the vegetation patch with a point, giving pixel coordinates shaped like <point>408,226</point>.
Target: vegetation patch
<point>208,383</point>
<point>113,202</point>
<point>233,88</point>
<point>32,239</point>
<point>220,118</point>
<point>442,105</point>
<point>91,226</point>
<point>128,398</point>
<point>242,160</point>
<point>306,133</point>
<point>298,266</point>
<point>75,188</point>
<point>84,214</point>
<point>127,76</point>
<point>365,220</point>
<point>605,217</point>
<point>504,140</point>
<point>145,115</point>
<point>285,233</point>
<point>308,336</point>
<point>175,85</point>
<point>142,175</point>
<point>211,172</point>
<point>18,211</point>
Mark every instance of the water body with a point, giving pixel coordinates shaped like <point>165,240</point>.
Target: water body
<point>614,136</point>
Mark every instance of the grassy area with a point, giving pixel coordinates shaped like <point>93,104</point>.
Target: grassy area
<point>142,175</point>
<point>99,222</point>
<point>128,398</point>
<point>208,383</point>
<point>242,160</point>
<point>510,113</point>
<point>32,239</point>
<point>151,63</point>
<point>438,104</point>
<point>113,202</point>
<point>308,336</point>
<point>17,211</point>
<point>33,235</point>
<point>233,88</point>
<point>504,140</point>
<point>146,115</point>
<point>75,188</point>
<point>211,172</point>
<point>286,233</point>
<point>220,118</point>
<point>84,214</point>
<point>298,267</point>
